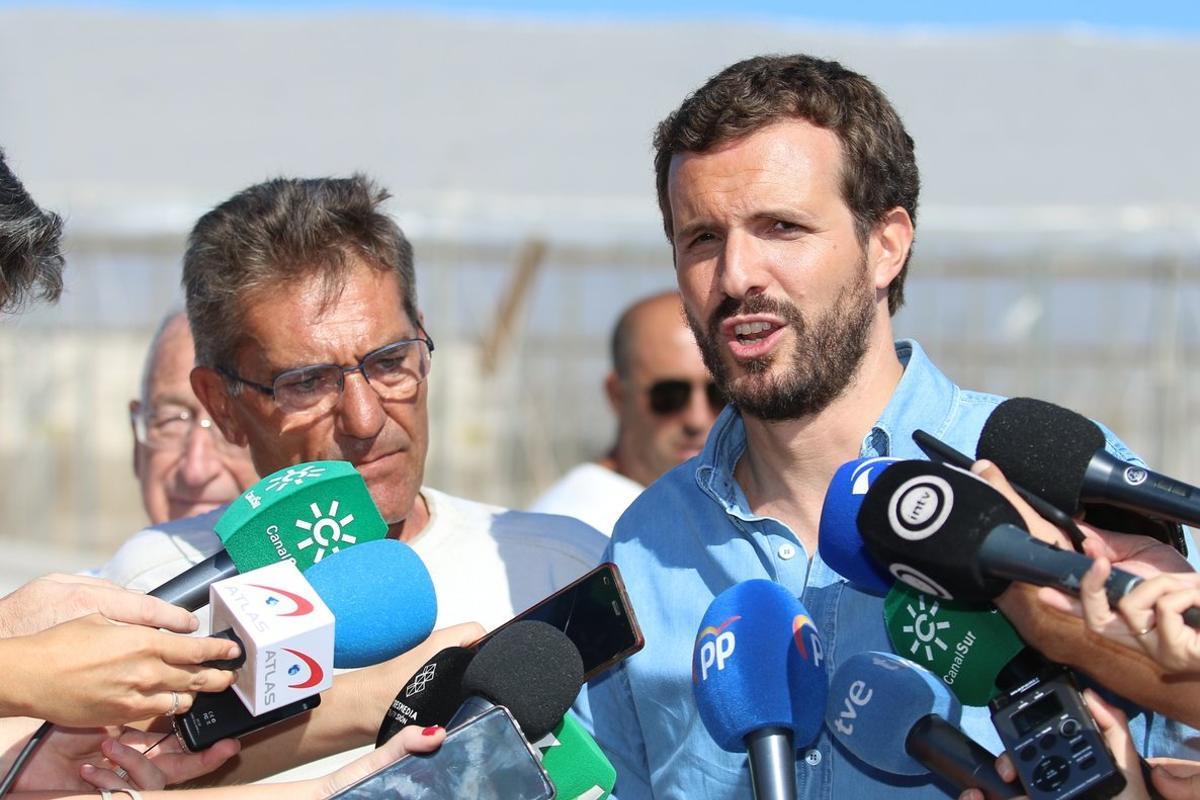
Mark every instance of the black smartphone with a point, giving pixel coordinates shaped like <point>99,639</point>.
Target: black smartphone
<point>486,758</point>
<point>222,715</point>
<point>594,612</point>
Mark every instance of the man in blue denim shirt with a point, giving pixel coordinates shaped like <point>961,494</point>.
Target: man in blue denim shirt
<point>788,189</point>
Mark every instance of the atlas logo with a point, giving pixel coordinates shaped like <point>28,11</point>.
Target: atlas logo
<point>294,477</point>
<point>865,473</point>
<point>714,651</point>
<point>301,605</point>
<point>919,507</point>
<point>800,624</point>
<point>925,628</point>
<point>919,580</point>
<point>417,684</point>
<point>311,667</point>
<point>326,532</point>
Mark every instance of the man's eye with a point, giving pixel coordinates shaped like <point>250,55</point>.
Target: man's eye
<point>306,384</point>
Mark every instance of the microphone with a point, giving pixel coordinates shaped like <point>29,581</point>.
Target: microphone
<point>577,767</point>
<point>1060,455</point>
<point>969,646</point>
<point>878,700</point>
<point>532,669</point>
<point>299,514</point>
<point>431,695</point>
<point>947,533</point>
<point>838,540</point>
<point>759,680</point>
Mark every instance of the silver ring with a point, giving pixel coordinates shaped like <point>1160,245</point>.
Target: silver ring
<point>121,773</point>
<point>174,704</point>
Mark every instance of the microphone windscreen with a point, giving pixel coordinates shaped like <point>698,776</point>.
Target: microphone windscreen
<point>758,663</point>
<point>530,668</point>
<point>430,696</point>
<point>301,513</point>
<point>926,522</point>
<point>839,542</point>
<point>874,701</point>
<point>576,765</point>
<point>965,644</point>
<point>382,599</point>
<point>1041,447</point>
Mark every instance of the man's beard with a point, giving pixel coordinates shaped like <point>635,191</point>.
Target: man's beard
<point>825,357</point>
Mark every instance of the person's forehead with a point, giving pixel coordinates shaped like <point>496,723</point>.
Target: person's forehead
<point>174,357</point>
<point>667,349</point>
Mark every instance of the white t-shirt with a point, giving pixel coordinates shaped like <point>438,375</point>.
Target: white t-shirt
<point>591,493</point>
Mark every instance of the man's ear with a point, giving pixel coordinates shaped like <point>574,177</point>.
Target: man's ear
<point>213,393</point>
<point>135,408</point>
<point>889,246</point>
<point>612,390</point>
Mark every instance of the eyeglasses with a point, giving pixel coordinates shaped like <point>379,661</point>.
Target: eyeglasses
<point>395,370</point>
<point>673,395</point>
<point>168,428</point>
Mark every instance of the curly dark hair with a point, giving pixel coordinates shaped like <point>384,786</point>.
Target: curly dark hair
<point>31,262</point>
<point>879,170</point>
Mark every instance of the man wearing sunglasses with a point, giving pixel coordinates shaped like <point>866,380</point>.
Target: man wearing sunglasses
<point>664,400</point>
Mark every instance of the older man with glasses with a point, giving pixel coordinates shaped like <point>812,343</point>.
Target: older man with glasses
<point>664,400</point>
<point>184,464</point>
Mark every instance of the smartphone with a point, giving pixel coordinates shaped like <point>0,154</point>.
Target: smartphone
<point>486,758</point>
<point>221,715</point>
<point>594,612</point>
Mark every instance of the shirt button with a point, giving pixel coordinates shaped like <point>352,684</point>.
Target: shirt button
<point>786,552</point>
<point>812,757</point>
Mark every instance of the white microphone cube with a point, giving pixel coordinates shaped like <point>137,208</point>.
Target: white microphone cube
<point>286,630</point>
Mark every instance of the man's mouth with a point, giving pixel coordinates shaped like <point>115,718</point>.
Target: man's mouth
<point>752,331</point>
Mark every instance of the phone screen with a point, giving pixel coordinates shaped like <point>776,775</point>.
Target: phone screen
<point>595,615</point>
<point>485,758</point>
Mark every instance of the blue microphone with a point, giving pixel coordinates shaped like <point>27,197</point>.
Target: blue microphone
<point>382,599</point>
<point>900,718</point>
<point>759,681</point>
<point>839,542</point>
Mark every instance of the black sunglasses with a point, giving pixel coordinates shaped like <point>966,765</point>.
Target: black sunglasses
<point>672,395</point>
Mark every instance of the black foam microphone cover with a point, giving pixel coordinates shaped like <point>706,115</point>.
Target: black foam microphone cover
<point>1043,447</point>
<point>925,523</point>
<point>430,696</point>
<point>532,669</point>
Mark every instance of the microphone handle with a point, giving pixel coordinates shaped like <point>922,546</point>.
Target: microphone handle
<point>952,755</point>
<point>1106,480</point>
<point>772,763</point>
<point>1011,553</point>
<point>189,589</point>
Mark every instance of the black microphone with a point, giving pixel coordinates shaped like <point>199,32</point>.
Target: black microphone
<point>1059,455</point>
<point>532,669</point>
<point>431,695</point>
<point>946,532</point>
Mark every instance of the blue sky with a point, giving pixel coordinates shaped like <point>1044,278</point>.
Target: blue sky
<point>1178,16</point>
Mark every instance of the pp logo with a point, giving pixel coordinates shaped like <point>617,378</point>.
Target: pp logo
<point>417,685</point>
<point>715,651</point>
<point>801,624</point>
<point>919,507</point>
<point>1135,476</point>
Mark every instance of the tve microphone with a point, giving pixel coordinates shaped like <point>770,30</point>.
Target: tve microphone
<point>759,680</point>
<point>948,533</point>
<point>899,718</point>
<point>530,668</point>
<point>1060,455</point>
<point>839,543</point>
<point>967,645</point>
<point>577,767</point>
<point>431,695</point>
<point>299,514</point>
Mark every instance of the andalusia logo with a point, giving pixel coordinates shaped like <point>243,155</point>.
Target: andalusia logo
<point>326,531</point>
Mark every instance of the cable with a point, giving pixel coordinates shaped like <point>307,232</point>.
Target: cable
<point>14,771</point>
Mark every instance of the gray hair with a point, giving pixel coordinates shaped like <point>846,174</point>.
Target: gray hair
<point>277,232</point>
<point>31,263</point>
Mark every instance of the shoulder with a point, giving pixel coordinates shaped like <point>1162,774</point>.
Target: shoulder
<point>156,554</point>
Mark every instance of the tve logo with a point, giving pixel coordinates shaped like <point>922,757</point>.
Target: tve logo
<point>857,696</point>
<point>715,645</point>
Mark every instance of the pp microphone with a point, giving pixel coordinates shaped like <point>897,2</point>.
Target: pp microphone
<point>577,767</point>
<point>1060,455</point>
<point>759,681</point>
<point>948,533</point>
<point>901,719</point>
<point>530,668</point>
<point>300,514</point>
<point>838,542</point>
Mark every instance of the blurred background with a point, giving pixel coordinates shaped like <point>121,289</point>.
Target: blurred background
<point>1058,242</point>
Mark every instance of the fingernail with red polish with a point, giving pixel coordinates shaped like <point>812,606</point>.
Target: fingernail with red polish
<point>431,730</point>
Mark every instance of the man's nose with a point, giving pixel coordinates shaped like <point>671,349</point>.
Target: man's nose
<point>359,410</point>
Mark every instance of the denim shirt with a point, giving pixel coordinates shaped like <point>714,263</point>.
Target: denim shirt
<point>692,534</point>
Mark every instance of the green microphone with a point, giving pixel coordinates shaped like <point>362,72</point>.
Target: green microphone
<point>577,767</point>
<point>967,645</point>
<point>301,514</point>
